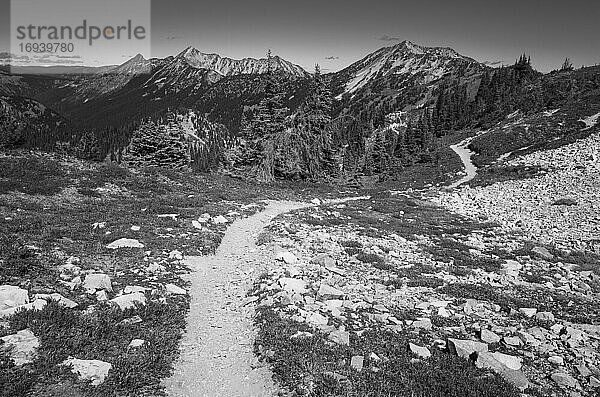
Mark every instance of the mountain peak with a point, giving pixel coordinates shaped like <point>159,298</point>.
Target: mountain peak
<point>229,67</point>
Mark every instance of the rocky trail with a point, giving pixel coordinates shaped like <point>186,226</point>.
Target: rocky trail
<point>217,349</point>
<point>462,149</point>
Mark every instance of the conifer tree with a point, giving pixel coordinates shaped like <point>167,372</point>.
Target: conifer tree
<point>156,145</point>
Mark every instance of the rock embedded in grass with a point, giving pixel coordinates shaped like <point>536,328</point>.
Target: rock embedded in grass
<point>565,380</point>
<point>420,351</point>
<point>95,371</point>
<point>357,362</point>
<point>97,281</point>
<point>498,363</point>
<point>129,301</point>
<point>488,336</point>
<point>125,243</point>
<point>466,348</point>
<point>21,347</point>
<point>12,296</point>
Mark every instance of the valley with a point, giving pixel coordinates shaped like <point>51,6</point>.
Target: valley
<point>198,225</point>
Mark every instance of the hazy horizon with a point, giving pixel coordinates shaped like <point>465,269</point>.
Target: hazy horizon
<point>338,33</point>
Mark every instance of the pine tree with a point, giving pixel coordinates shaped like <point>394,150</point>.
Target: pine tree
<point>267,123</point>
<point>157,145</point>
<point>567,66</point>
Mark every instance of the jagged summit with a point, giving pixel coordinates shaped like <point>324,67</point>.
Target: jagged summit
<point>136,65</point>
<point>229,67</point>
<point>404,59</point>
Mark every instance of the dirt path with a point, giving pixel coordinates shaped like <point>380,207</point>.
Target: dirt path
<point>462,149</point>
<point>216,357</point>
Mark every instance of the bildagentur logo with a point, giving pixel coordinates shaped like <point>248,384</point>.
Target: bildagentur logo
<point>85,32</point>
<point>46,34</point>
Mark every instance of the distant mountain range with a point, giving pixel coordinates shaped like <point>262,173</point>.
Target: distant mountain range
<point>191,56</point>
<point>433,90</point>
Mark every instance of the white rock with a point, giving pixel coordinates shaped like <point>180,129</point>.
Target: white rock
<point>128,301</point>
<point>420,351</point>
<point>135,228</point>
<point>488,336</point>
<point>101,296</point>
<point>176,254</point>
<point>172,216</point>
<point>316,201</point>
<point>21,347</point>
<point>136,343</point>
<point>58,298</point>
<point>125,243</point>
<point>286,257</point>
<point>197,225</point>
<point>175,290</point>
<point>558,360</point>
<point>12,296</point>
<point>293,285</point>
<point>95,371</point>
<point>340,337</point>
<point>219,220</point>
<point>316,319</point>
<point>97,281</point>
<point>38,304</point>
<point>528,312</point>
<point>357,362</point>
<point>511,362</point>
<point>465,348</point>
<point>130,289</point>
<point>329,292</point>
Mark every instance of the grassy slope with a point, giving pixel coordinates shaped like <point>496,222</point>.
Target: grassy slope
<point>48,204</point>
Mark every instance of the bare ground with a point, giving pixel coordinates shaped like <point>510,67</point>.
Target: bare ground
<point>217,349</point>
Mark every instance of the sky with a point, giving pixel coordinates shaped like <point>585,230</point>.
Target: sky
<point>336,33</point>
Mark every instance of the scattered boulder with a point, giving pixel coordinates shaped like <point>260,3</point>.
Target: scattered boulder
<point>95,371</point>
<point>543,253</point>
<point>128,301</point>
<point>528,312</point>
<point>134,288</point>
<point>466,348</point>
<point>513,376</point>
<point>37,304</point>
<point>323,260</point>
<point>423,323</point>
<point>61,300</point>
<point>12,296</point>
<point>21,347</point>
<point>544,316</point>
<point>511,362</point>
<point>125,243</point>
<point>327,292</point>
<point>97,281</point>
<point>136,343</point>
<point>175,290</point>
<point>558,360</point>
<point>488,336</point>
<point>420,351</point>
<point>286,257</point>
<point>357,362</point>
<point>220,220</point>
<point>340,337</point>
<point>293,285</point>
<point>317,319</point>
<point>565,380</point>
